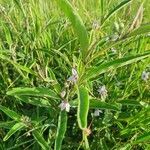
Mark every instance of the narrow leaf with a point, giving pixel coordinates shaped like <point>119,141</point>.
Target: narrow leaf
<point>95,103</point>
<point>15,128</point>
<point>34,101</point>
<point>130,102</point>
<point>10,113</point>
<point>95,71</point>
<point>117,8</point>
<point>141,30</point>
<point>41,141</point>
<point>77,23</point>
<point>143,138</point>
<point>61,129</point>
<point>83,107</point>
<point>36,91</point>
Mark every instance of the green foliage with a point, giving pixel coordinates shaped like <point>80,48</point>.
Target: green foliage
<point>89,58</point>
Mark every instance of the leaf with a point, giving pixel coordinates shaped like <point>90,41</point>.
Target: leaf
<point>36,91</point>
<point>143,138</point>
<point>41,141</point>
<point>130,102</point>
<point>95,71</point>
<point>83,107</point>
<point>10,113</point>
<point>15,128</point>
<point>18,66</point>
<point>77,24</point>
<point>114,10</point>
<point>34,101</point>
<point>61,129</point>
<point>141,30</point>
<point>97,104</point>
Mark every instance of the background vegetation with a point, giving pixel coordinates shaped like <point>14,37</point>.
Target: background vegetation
<point>104,42</point>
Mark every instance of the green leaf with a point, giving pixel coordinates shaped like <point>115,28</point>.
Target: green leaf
<point>61,129</point>
<point>10,113</point>
<point>36,91</point>
<point>34,101</point>
<point>15,128</point>
<point>83,107</point>
<point>41,141</point>
<point>117,8</point>
<point>77,24</point>
<point>141,30</point>
<point>95,71</point>
<point>143,138</point>
<point>17,66</point>
<point>97,104</point>
<point>130,102</point>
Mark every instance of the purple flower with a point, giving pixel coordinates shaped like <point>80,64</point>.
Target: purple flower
<point>64,106</point>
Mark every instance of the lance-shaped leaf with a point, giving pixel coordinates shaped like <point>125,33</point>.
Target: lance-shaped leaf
<point>143,138</point>
<point>77,23</point>
<point>61,129</point>
<point>14,129</point>
<point>98,104</point>
<point>83,107</point>
<point>141,30</point>
<point>95,71</point>
<point>36,91</point>
<point>115,9</point>
<point>41,141</point>
<point>10,113</point>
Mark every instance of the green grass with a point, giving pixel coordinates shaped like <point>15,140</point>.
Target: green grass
<point>107,42</point>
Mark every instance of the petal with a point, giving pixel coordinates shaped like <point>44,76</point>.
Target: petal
<point>74,72</point>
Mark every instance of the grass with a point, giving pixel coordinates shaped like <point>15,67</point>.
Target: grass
<point>106,42</point>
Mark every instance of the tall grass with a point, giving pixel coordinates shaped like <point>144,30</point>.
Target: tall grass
<point>74,74</point>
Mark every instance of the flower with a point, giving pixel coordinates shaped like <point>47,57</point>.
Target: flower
<point>74,77</point>
<point>103,92</point>
<point>62,94</point>
<point>97,112</point>
<point>145,75</point>
<point>95,25</point>
<point>65,106</point>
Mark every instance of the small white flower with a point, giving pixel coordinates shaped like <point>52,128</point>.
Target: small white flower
<point>74,77</point>
<point>103,92</point>
<point>97,112</point>
<point>114,37</point>
<point>145,75</point>
<point>113,50</point>
<point>95,25</point>
<point>64,106</point>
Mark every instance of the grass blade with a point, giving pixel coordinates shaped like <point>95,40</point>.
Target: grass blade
<point>141,30</point>
<point>95,71</point>
<point>117,8</point>
<point>77,24</point>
